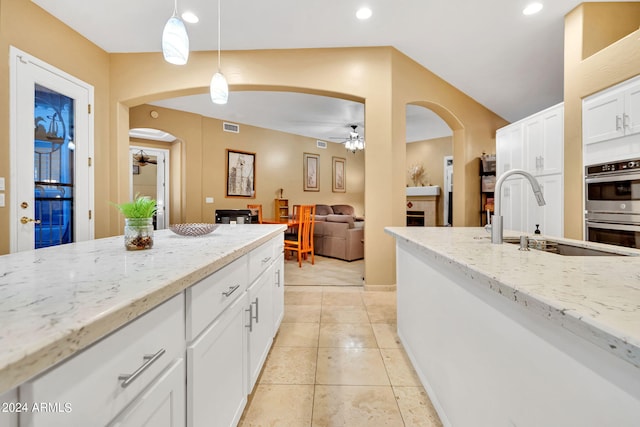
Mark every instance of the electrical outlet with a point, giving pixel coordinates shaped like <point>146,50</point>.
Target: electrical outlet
<point>208,200</point>
<point>1,200</point>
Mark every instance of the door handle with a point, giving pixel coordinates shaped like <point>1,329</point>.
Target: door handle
<point>26,220</point>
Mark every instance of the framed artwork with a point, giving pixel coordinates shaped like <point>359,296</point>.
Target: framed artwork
<point>311,172</point>
<point>136,170</point>
<point>339,175</point>
<point>241,174</point>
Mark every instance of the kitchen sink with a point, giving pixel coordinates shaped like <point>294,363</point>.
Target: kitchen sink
<point>564,248</point>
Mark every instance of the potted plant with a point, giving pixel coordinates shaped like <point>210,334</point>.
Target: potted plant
<point>138,228</point>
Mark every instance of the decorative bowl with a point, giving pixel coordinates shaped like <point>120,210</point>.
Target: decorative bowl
<point>193,229</point>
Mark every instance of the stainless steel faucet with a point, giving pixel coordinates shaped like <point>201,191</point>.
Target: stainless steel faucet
<point>496,218</point>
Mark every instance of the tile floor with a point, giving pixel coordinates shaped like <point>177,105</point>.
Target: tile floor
<point>337,361</point>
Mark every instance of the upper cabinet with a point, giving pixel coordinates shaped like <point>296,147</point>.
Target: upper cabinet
<point>611,123</point>
<point>544,141</point>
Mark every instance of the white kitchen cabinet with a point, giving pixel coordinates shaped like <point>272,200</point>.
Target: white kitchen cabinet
<point>217,366</point>
<point>162,404</point>
<point>611,123</point>
<point>259,324</point>
<point>535,144</point>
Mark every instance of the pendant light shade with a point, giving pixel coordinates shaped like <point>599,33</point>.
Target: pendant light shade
<point>219,89</point>
<point>175,40</point>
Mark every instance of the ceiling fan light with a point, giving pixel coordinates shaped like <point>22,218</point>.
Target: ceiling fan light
<point>219,89</point>
<point>175,42</point>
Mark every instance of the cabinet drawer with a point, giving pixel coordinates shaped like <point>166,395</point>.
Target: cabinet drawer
<point>86,389</point>
<point>210,296</point>
<point>261,257</point>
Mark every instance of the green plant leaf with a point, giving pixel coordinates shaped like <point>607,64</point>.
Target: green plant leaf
<point>140,207</point>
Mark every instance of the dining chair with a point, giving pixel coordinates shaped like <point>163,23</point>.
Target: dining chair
<point>258,209</point>
<point>303,241</point>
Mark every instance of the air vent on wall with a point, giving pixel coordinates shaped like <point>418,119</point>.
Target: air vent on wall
<point>230,127</point>
<point>321,144</point>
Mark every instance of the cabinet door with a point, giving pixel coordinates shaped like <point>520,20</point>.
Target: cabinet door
<point>509,152</point>
<point>544,141</point>
<point>550,217</point>
<point>278,293</point>
<point>632,110</point>
<point>260,319</point>
<point>602,117</point>
<point>162,404</point>
<point>216,370</point>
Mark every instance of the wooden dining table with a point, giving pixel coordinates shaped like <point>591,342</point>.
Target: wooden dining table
<point>291,222</point>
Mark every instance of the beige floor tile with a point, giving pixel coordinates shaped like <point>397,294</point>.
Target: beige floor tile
<point>297,335</point>
<point>355,406</point>
<point>386,335</point>
<point>333,298</point>
<point>351,366</point>
<point>326,271</point>
<point>344,314</point>
<point>302,313</point>
<point>399,367</point>
<point>379,298</point>
<point>279,406</point>
<point>347,335</point>
<point>416,408</point>
<point>290,365</point>
<point>310,295</point>
<point>382,313</point>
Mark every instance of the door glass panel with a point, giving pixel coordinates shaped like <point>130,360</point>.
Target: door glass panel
<point>53,167</point>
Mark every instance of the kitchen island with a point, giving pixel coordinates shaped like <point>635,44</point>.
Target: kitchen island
<point>503,337</point>
<point>61,302</point>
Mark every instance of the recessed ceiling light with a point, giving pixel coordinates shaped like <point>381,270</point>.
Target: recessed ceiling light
<point>190,17</point>
<point>532,8</point>
<point>364,13</point>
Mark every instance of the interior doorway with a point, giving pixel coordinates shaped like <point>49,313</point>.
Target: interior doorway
<point>149,177</point>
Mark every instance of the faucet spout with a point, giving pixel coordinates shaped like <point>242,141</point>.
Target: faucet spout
<point>496,220</point>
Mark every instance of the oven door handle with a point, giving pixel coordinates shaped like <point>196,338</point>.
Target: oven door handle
<point>612,226</point>
<point>613,178</point>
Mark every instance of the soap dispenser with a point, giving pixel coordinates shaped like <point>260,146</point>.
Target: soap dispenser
<point>537,229</point>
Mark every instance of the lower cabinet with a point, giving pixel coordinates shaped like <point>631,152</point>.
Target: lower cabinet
<point>259,323</point>
<point>162,404</point>
<point>216,366</point>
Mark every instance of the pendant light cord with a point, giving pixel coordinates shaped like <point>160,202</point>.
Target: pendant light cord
<point>218,35</point>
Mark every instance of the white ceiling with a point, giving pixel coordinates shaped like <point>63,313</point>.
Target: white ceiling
<point>510,63</point>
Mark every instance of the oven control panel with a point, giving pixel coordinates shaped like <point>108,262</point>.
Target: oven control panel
<point>623,166</point>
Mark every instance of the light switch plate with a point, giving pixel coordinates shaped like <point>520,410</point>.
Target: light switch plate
<point>1,200</point>
<point>209,200</point>
<point>1,183</point>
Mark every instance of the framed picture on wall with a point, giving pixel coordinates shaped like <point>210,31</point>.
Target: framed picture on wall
<point>339,175</point>
<point>241,174</point>
<point>311,173</point>
<point>136,170</point>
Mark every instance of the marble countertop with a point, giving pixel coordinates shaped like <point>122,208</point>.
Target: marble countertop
<point>595,297</point>
<point>56,301</point>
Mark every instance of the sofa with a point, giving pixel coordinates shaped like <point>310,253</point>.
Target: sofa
<point>337,233</point>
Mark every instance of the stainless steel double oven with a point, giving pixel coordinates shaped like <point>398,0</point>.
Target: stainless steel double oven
<point>612,203</point>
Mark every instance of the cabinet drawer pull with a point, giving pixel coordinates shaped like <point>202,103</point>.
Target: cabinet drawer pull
<point>150,360</point>
<point>250,325</point>
<point>266,260</point>
<point>231,290</point>
<point>256,303</point>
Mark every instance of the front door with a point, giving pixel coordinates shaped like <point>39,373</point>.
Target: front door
<point>51,150</point>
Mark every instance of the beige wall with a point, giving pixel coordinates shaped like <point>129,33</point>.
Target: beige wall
<point>590,68</point>
<point>278,164</point>
<point>32,30</point>
<point>430,154</point>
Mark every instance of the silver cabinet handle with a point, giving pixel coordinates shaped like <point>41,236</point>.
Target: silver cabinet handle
<point>625,121</point>
<point>256,303</point>
<point>250,325</point>
<point>231,290</point>
<point>618,125</point>
<point>278,278</point>
<point>127,379</point>
<point>266,260</point>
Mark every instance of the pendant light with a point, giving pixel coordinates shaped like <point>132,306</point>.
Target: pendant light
<point>219,88</point>
<point>175,40</point>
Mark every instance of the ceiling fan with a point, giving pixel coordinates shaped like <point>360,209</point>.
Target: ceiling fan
<point>143,159</point>
<point>354,141</point>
